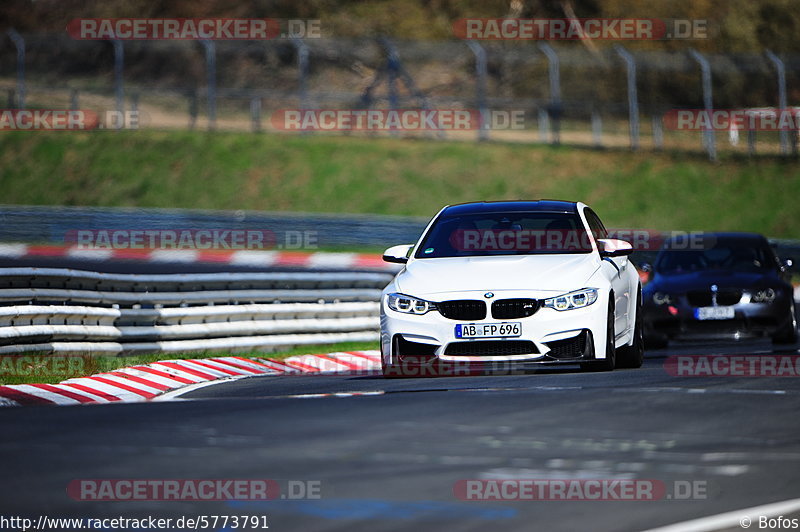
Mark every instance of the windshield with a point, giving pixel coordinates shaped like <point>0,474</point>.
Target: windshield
<point>739,257</point>
<point>505,233</point>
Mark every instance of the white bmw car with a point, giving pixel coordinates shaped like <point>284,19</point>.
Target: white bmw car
<point>511,284</point>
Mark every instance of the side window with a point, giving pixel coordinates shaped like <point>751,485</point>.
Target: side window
<point>595,225</point>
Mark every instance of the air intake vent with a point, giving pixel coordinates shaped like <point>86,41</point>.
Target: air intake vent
<point>491,348</point>
<point>462,309</point>
<point>509,309</point>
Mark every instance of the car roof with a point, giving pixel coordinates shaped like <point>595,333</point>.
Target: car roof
<point>512,206</point>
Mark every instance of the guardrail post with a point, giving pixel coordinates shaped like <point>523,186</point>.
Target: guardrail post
<point>555,89</point>
<point>480,88</point>
<point>779,66</point>
<point>633,98</point>
<point>211,83</point>
<point>119,88</point>
<point>708,133</point>
<point>19,43</point>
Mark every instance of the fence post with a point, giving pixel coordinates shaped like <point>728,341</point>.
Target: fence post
<point>119,88</point>
<point>480,88</point>
<point>193,108</point>
<point>597,129</point>
<point>658,132</point>
<point>544,124</point>
<point>302,76</point>
<point>779,66</point>
<point>211,84</point>
<point>555,89</point>
<point>19,43</point>
<point>708,133</point>
<point>255,114</point>
<point>302,71</point>
<point>633,97</point>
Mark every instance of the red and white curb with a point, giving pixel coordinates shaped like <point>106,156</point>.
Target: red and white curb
<point>296,259</point>
<point>151,381</point>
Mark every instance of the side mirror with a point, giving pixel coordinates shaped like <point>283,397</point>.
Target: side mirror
<point>398,254</point>
<point>611,247</point>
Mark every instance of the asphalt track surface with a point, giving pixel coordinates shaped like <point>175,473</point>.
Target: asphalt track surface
<point>389,459</point>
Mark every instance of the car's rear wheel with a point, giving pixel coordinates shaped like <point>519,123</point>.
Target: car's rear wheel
<point>608,363</point>
<point>632,356</point>
<point>788,334</point>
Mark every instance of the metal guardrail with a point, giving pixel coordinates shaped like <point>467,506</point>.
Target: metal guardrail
<point>72,311</point>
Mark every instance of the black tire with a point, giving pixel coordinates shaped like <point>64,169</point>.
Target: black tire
<point>788,334</point>
<point>609,362</point>
<point>632,356</point>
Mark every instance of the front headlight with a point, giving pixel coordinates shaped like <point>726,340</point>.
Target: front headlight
<point>763,296</point>
<point>660,298</point>
<point>578,299</point>
<point>409,305</point>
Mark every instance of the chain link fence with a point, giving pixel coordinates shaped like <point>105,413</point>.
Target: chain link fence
<point>609,97</point>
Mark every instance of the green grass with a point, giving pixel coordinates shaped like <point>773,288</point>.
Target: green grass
<point>88,365</point>
<point>315,173</point>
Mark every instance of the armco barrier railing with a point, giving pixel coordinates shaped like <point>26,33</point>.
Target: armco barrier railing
<point>72,311</point>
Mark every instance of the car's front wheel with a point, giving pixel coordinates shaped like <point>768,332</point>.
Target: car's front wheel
<point>608,363</point>
<point>632,356</point>
<point>787,334</point>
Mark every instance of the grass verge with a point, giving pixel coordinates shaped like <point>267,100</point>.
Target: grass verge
<point>39,368</point>
<point>317,173</point>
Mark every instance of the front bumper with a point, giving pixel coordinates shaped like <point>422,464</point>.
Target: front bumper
<point>548,337</point>
<point>751,320</point>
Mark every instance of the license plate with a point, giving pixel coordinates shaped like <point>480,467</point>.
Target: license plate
<point>489,330</point>
<point>714,313</point>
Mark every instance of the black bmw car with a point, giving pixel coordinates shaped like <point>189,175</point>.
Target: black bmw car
<point>718,286</point>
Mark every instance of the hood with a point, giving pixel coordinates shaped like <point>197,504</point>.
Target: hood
<point>558,273</point>
<point>702,280</point>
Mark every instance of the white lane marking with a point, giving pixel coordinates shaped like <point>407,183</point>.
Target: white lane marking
<point>90,254</point>
<point>254,258</point>
<point>7,402</point>
<point>13,250</point>
<point>503,473</point>
<point>731,519</point>
<point>675,389</point>
<point>174,255</point>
